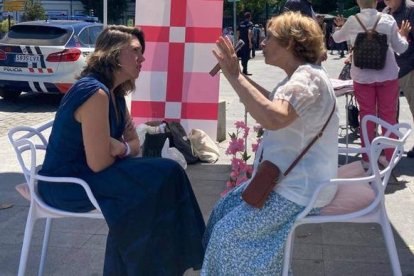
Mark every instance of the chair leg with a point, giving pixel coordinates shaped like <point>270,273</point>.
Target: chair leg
<point>28,231</point>
<point>287,258</point>
<point>45,245</point>
<point>390,243</point>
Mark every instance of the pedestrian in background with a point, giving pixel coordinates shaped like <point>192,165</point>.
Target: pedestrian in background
<point>244,32</point>
<point>375,90</point>
<point>403,11</point>
<point>339,46</point>
<point>256,39</point>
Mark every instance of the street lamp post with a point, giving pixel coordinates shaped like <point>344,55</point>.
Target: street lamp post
<point>71,8</point>
<point>234,23</point>
<point>105,12</point>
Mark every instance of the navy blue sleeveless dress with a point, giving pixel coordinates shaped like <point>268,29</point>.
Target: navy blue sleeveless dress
<point>155,224</point>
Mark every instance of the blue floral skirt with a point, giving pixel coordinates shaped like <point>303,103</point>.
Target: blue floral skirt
<point>242,240</point>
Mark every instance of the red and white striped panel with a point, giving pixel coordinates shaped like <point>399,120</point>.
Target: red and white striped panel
<point>174,83</point>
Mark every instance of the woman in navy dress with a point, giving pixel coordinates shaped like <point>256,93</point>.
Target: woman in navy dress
<point>155,224</point>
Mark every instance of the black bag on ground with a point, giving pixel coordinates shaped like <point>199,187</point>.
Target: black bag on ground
<point>153,144</point>
<point>370,48</point>
<point>175,132</point>
<point>353,115</point>
<point>181,142</point>
<point>155,141</point>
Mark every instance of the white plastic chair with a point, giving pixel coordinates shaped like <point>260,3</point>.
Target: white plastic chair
<point>27,143</point>
<point>378,179</point>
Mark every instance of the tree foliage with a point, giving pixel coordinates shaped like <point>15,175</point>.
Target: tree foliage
<point>258,8</point>
<point>332,7</point>
<point>4,25</point>
<point>116,8</point>
<point>33,10</point>
<point>267,8</point>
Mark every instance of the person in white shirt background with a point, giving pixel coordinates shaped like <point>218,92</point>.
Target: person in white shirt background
<point>376,91</point>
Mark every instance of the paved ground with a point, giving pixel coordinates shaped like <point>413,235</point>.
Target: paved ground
<point>77,246</point>
<point>29,109</point>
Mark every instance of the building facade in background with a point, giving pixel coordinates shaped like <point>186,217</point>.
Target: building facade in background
<point>61,9</point>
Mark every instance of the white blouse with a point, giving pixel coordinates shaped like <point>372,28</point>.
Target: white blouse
<point>387,25</point>
<point>310,93</point>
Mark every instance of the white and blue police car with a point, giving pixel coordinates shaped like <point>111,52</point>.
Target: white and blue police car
<point>44,56</point>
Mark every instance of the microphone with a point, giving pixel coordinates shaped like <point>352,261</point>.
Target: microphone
<point>216,68</point>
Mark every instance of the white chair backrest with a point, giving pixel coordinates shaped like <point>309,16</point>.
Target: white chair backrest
<point>26,142</point>
<point>378,178</point>
<point>32,140</point>
<point>377,146</point>
<point>385,141</point>
<point>398,129</point>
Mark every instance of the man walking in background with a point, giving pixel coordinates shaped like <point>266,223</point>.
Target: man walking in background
<point>403,10</point>
<point>255,39</point>
<point>244,32</point>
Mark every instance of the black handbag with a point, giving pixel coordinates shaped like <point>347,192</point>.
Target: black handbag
<point>153,144</point>
<point>175,132</point>
<point>353,115</point>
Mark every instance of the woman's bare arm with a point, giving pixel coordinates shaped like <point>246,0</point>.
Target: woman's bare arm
<point>130,135</point>
<point>93,116</point>
<point>260,88</point>
<point>270,114</point>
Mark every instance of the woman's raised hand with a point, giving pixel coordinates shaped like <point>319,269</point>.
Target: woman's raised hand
<point>339,20</point>
<point>226,56</point>
<point>405,28</point>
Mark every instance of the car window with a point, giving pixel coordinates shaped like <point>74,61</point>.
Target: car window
<point>89,35</point>
<point>84,37</point>
<point>37,35</point>
<point>94,33</point>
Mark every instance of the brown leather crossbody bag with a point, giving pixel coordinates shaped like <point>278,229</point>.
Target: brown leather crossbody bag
<point>268,174</point>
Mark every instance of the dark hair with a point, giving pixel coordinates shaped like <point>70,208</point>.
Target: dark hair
<point>104,61</point>
<point>247,15</point>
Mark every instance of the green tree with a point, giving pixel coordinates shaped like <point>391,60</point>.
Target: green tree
<point>115,9</point>
<point>33,10</point>
<point>258,8</point>
<point>4,27</point>
<point>323,6</point>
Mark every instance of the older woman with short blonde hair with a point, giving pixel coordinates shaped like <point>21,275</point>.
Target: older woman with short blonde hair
<point>241,239</point>
<point>303,36</point>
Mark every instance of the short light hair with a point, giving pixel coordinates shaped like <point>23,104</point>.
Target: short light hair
<point>103,62</point>
<point>300,34</point>
<point>364,4</point>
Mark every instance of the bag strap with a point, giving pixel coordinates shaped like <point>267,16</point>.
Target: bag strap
<point>305,150</point>
<point>363,26</point>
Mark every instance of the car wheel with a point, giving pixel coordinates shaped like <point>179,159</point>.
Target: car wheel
<point>9,95</point>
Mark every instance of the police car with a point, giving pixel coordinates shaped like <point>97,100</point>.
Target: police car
<point>44,56</point>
